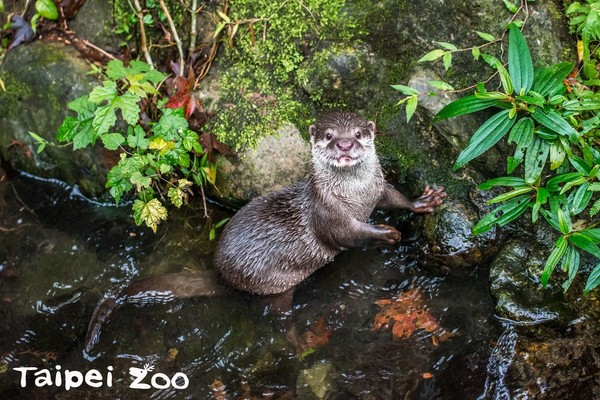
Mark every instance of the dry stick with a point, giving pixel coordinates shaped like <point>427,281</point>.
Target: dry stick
<point>193,31</point>
<point>175,36</point>
<point>93,46</point>
<point>144,46</point>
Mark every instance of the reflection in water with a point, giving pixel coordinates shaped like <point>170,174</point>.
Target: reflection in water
<point>66,255</point>
<point>501,359</point>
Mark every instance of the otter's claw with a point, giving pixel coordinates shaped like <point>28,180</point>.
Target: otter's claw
<point>428,199</point>
<point>388,235</point>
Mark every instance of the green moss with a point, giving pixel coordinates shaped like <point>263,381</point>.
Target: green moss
<point>258,88</point>
<point>16,91</point>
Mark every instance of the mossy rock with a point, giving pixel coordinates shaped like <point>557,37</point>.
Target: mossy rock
<point>41,79</point>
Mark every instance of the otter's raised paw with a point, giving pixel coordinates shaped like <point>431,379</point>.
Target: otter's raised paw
<point>428,199</point>
<point>388,234</point>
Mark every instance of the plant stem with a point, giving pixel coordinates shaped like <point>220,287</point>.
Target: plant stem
<point>175,36</point>
<point>143,45</point>
<point>193,31</point>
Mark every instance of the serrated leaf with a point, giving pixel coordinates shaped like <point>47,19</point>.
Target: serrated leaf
<point>115,70</point>
<point>112,141</point>
<point>151,213</point>
<point>117,183</point>
<point>140,181</point>
<point>138,139</point>
<point>520,64</point>
<point>160,144</point>
<point>85,136</point>
<point>485,137</point>
<point>432,55</point>
<point>464,105</point>
<point>560,247</point>
<point>486,36</point>
<point>107,92</point>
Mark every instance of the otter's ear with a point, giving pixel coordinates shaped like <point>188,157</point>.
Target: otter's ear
<point>371,126</point>
<point>313,131</point>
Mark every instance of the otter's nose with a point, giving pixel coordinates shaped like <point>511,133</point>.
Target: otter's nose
<point>345,145</point>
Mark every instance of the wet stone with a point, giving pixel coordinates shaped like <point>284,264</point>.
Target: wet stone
<point>315,383</point>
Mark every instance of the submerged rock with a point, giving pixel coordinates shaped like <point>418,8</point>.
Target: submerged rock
<point>515,286</point>
<point>316,383</point>
<point>41,79</point>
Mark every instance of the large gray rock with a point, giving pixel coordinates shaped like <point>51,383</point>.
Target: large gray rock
<point>41,79</point>
<point>276,162</point>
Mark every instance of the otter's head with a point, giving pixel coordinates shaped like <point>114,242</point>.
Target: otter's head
<point>342,139</point>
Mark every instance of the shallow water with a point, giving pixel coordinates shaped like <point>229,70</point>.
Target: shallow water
<point>60,254</point>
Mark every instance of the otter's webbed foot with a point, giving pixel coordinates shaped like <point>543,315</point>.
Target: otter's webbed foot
<point>387,234</point>
<point>428,199</point>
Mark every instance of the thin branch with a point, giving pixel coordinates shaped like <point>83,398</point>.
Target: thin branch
<point>144,45</point>
<point>175,36</point>
<point>93,46</point>
<point>193,29</point>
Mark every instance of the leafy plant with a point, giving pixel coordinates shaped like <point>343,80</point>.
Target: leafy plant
<point>44,9</point>
<point>162,158</point>
<point>553,124</point>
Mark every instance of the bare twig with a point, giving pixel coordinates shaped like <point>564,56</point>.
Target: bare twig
<point>144,45</point>
<point>175,36</point>
<point>93,46</point>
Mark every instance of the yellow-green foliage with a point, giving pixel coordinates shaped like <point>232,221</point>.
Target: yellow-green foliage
<point>258,88</point>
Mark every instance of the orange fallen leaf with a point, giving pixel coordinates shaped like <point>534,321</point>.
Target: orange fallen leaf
<point>427,375</point>
<point>218,389</point>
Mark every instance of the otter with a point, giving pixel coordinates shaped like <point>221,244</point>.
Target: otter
<point>277,240</point>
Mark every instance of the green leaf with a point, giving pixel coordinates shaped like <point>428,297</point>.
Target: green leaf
<point>441,85</point>
<point>127,103</point>
<point>593,280</point>
<point>510,194</point>
<point>502,215</point>
<point>407,90</point>
<point>580,165</point>
<point>552,184</point>
<point>189,139</point>
<point>549,81</point>
<point>582,105</point>
<point>112,141</point>
<point>448,46</point>
<point>570,264</point>
<point>447,60</point>
<point>535,159</point>
<point>522,135</point>
<point>117,183</point>
<point>107,92</point>
<point>485,137</point>
<point>476,53</point>
<point>519,61</point>
<point>557,155</point>
<point>503,181</point>
<point>564,222</point>
<point>486,36</point>
<point>411,106</point>
<point>150,213</point>
<point>140,181</point>
<point>586,243</point>
<point>170,123</point>
<point>138,139</point>
<point>432,55</point>
<point>557,253</point>
<point>541,198</point>
<point>464,105</point>
<point>552,120</point>
<point>580,199</point>
<point>510,6</point>
<point>85,136</point>
<point>115,70</point>
<point>47,9</point>
<point>505,79</point>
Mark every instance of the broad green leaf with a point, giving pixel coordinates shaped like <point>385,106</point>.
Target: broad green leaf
<point>549,81</point>
<point>137,138</point>
<point>486,36</point>
<point>67,130</point>
<point>564,222</point>
<point>505,79</point>
<point>532,100</point>
<point>485,137</point>
<point>570,264</point>
<point>535,159</point>
<point>170,123</point>
<point>464,105</point>
<point>585,243</point>
<point>112,141</point>
<point>547,134</point>
<point>104,120</point>
<point>432,55</point>
<point>581,105</point>
<point>476,53</point>
<point>189,139</point>
<point>522,135</point>
<point>411,106</point>
<point>150,213</point>
<point>495,96</point>
<point>519,61</point>
<point>580,199</point>
<point>106,92</point>
<point>82,106</point>
<point>560,247</point>
<point>407,90</point>
<point>85,136</point>
<point>593,280</point>
<point>127,103</point>
<point>160,144</point>
<point>47,9</point>
<point>541,198</point>
<point>140,181</point>
<point>553,183</point>
<point>503,181</point>
<point>552,120</point>
<point>510,6</point>
<point>176,195</point>
<point>580,165</point>
<point>115,70</point>
<point>502,215</point>
<point>117,183</point>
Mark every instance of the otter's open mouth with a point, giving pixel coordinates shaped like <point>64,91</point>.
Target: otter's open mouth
<point>345,160</point>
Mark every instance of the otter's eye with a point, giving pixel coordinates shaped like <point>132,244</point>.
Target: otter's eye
<point>328,136</point>
<point>358,134</point>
